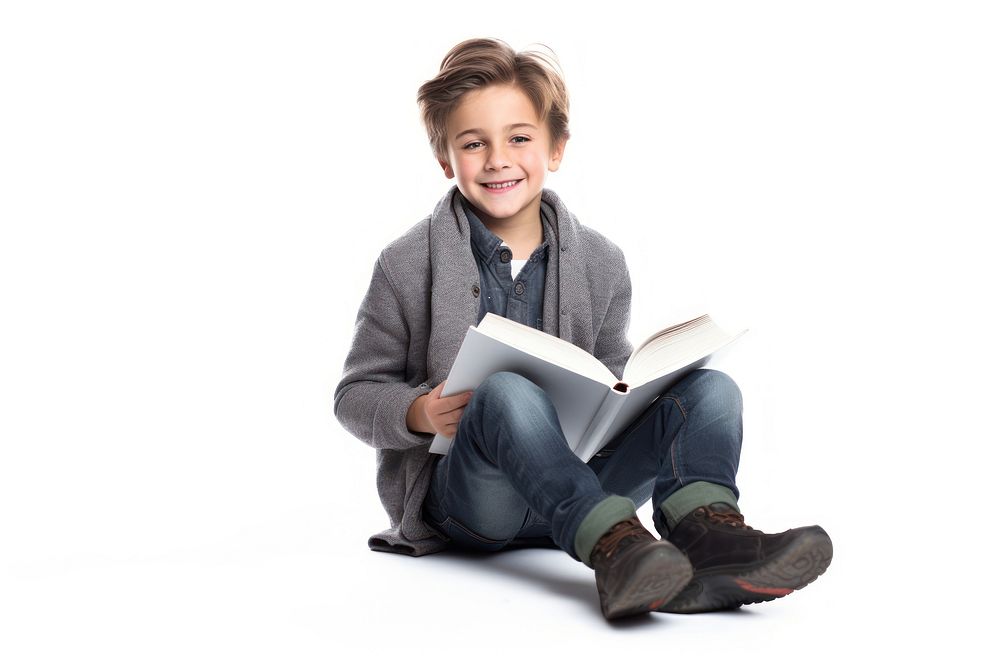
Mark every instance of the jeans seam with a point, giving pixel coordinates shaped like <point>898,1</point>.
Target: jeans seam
<point>524,522</point>
<point>621,437</point>
<point>673,443</point>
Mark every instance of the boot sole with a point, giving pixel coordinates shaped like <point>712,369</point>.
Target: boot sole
<point>729,587</point>
<point>657,577</point>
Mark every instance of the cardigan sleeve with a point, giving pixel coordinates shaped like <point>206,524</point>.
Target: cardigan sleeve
<point>612,346</point>
<point>372,398</point>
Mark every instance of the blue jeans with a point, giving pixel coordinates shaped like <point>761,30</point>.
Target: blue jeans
<point>511,480</point>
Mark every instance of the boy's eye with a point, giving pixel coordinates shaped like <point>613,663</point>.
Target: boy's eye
<point>474,144</point>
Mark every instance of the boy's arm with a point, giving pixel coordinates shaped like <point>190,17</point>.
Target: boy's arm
<point>613,347</point>
<point>372,398</point>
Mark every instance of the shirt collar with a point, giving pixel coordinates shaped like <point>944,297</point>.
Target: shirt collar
<point>486,242</point>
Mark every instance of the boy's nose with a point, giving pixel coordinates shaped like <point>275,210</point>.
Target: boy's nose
<point>497,159</point>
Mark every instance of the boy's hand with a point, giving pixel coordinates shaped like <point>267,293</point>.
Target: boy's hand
<point>443,414</point>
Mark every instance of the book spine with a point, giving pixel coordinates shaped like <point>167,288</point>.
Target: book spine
<point>594,437</point>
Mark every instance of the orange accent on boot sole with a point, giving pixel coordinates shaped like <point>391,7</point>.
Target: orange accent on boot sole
<point>762,590</point>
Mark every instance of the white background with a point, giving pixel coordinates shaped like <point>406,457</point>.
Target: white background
<point>192,197</point>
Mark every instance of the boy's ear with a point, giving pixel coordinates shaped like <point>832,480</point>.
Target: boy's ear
<point>448,171</point>
<point>556,156</point>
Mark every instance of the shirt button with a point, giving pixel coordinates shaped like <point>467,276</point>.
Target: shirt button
<point>519,288</point>
<point>475,290</point>
<point>505,255</point>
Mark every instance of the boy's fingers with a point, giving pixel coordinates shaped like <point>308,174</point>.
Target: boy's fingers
<point>463,398</point>
<point>453,421</point>
<point>457,401</point>
<point>453,415</point>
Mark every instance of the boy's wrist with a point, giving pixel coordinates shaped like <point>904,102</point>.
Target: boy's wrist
<point>416,419</point>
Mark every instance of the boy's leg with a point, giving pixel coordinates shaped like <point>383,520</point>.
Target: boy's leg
<point>509,455</point>
<point>684,452</point>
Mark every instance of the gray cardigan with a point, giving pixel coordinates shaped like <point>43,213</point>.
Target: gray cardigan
<point>423,297</point>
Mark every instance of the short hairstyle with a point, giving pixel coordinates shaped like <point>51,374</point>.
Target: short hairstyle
<point>481,62</point>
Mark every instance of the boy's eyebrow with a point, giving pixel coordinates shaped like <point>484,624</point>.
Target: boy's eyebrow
<point>477,130</point>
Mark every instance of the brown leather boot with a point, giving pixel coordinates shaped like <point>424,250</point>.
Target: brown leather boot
<point>734,564</point>
<point>636,573</point>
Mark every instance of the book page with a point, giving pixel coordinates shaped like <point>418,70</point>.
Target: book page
<point>545,346</point>
<point>674,348</point>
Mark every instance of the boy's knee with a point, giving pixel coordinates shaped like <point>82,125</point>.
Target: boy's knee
<point>502,387</point>
<point>716,385</point>
<point>513,401</point>
<point>504,380</point>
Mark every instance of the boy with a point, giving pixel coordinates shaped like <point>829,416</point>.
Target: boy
<point>500,242</point>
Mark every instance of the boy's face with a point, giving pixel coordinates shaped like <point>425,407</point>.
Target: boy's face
<point>494,136</point>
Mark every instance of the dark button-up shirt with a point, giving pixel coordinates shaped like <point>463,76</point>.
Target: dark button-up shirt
<point>519,297</point>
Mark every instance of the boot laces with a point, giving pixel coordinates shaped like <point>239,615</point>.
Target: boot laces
<point>729,517</point>
<point>623,531</point>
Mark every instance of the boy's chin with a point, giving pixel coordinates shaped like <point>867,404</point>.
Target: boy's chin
<point>495,213</point>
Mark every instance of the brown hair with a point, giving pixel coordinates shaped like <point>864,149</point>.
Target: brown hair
<point>477,63</point>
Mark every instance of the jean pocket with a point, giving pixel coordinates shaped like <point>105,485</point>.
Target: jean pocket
<point>470,539</point>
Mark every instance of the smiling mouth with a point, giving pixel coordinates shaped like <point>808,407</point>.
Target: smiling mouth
<point>502,187</point>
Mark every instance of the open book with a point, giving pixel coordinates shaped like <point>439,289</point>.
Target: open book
<point>593,405</point>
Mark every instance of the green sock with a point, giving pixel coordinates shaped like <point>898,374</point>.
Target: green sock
<point>690,496</point>
<point>598,521</point>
